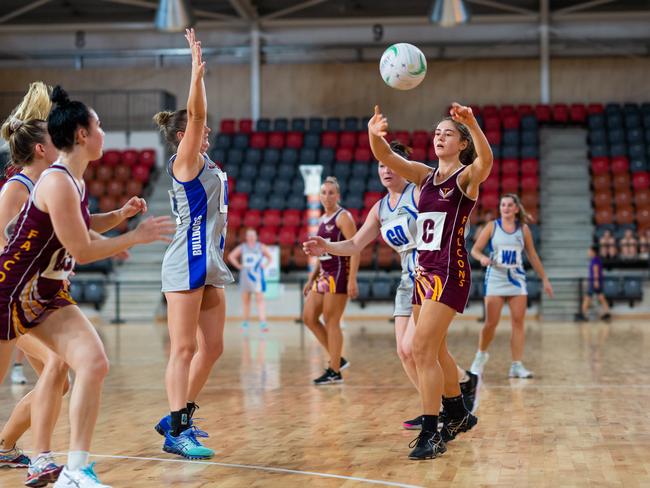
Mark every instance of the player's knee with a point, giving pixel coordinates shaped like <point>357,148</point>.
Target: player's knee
<point>184,352</point>
<point>421,354</point>
<point>98,366</point>
<point>213,351</point>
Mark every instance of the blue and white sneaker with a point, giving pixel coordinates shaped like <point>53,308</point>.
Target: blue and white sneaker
<point>186,445</point>
<point>82,478</point>
<point>43,470</point>
<point>164,426</point>
<point>13,458</point>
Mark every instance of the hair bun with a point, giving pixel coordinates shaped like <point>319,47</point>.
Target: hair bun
<point>15,123</point>
<point>60,96</point>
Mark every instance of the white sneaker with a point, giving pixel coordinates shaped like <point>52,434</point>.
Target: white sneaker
<point>479,362</point>
<point>82,478</point>
<point>18,375</point>
<point>517,370</point>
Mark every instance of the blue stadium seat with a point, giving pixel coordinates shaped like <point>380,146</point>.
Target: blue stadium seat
<point>598,151</point>
<point>613,288</point>
<point>598,137</point>
<point>612,108</point>
<point>364,123</point>
<point>529,123</point>
<point>93,205</point>
<point>510,137</point>
<point>596,121</point>
<point>281,125</point>
<point>311,141</point>
<point>234,156</point>
<point>77,291</point>
<point>267,171</point>
<point>286,171</point>
<point>351,124</point>
<point>614,120</point>
<point>257,202</point>
<point>373,184</point>
<point>223,141</point>
<point>342,171</point>
<point>637,151</point>
<point>333,124</point>
<point>253,156</point>
<point>95,293</point>
<point>353,200</point>
<point>618,150</point>
<point>299,125</point>
<point>262,187</point>
<point>363,286</point>
<point>496,151</point>
<point>325,155</point>
<point>244,186</point>
<point>646,121</point>
<point>632,288</point>
<point>218,155</point>
<point>277,202</point>
<point>529,138</point>
<point>232,170</point>
<point>361,170</point>
<point>289,156</point>
<point>307,155</point>
<point>282,187</point>
<point>511,152</point>
<point>271,156</point>
<point>263,125</point>
<point>634,136</point>
<point>381,289</point>
<point>527,152</point>
<point>240,141</point>
<point>316,124</point>
<point>638,165</point>
<point>616,136</point>
<point>296,201</point>
<point>601,229</point>
<point>633,120</point>
<point>534,289</point>
<point>357,186</point>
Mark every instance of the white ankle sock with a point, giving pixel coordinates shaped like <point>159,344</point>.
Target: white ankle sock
<point>77,460</point>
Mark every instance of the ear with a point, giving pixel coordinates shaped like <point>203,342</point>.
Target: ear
<point>463,145</point>
<point>82,134</point>
<point>39,150</point>
<point>179,135</point>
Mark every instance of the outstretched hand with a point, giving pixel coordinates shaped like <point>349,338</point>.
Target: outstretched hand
<point>155,229</point>
<point>461,113</point>
<point>134,206</point>
<point>314,246</point>
<point>378,124</point>
<point>198,65</point>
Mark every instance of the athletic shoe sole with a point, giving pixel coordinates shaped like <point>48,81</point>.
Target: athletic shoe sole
<point>186,456</point>
<point>44,478</point>
<point>433,456</point>
<point>330,382</point>
<point>477,394</point>
<point>406,426</point>
<point>10,465</point>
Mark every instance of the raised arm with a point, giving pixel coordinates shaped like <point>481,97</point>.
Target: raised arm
<point>12,198</point>
<point>480,169</point>
<point>481,242</point>
<point>411,170</point>
<point>61,200</point>
<point>189,161</point>
<point>317,246</point>
<point>104,222</point>
<point>536,263</point>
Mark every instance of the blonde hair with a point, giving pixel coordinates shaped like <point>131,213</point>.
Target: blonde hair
<point>334,181</point>
<point>523,217</point>
<point>26,126</point>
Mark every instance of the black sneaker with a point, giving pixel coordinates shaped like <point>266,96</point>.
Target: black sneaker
<point>413,424</point>
<point>606,316</point>
<point>470,391</point>
<point>427,445</point>
<point>344,364</point>
<point>454,427</point>
<point>329,377</point>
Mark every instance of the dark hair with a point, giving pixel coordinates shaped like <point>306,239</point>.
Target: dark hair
<point>594,249</point>
<point>467,155</point>
<point>65,118</point>
<point>401,149</point>
<point>171,123</point>
<point>26,126</point>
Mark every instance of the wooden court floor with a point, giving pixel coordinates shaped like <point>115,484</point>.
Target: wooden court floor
<point>583,421</point>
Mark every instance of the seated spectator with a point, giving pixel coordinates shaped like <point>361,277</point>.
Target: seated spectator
<point>644,244</point>
<point>607,245</point>
<point>629,245</point>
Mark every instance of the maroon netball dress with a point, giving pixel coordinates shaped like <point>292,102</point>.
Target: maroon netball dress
<point>334,270</point>
<point>33,268</point>
<point>444,273</point>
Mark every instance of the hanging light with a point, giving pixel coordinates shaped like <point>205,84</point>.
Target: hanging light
<point>449,13</point>
<point>174,16</point>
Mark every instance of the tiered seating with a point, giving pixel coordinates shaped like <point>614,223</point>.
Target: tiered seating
<point>619,147</point>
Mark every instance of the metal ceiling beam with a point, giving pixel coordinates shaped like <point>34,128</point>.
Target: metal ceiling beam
<point>245,9</point>
<point>20,11</point>
<point>290,10</point>
<point>581,6</point>
<point>504,6</point>
<point>206,14</point>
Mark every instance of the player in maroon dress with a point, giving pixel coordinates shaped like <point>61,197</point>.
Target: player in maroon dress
<point>331,283</point>
<point>447,197</point>
<point>51,233</point>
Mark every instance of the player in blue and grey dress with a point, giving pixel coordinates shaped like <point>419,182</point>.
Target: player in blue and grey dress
<point>507,238</point>
<point>193,272</point>
<point>250,258</point>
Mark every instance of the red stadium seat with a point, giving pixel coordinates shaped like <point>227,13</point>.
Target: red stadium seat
<point>104,173</point>
<point>529,167</point>
<point>258,140</point>
<point>641,181</point>
<point>578,113</point>
<point>603,199</point>
<point>525,110</point>
<point>367,257</point>
<point>227,126</point>
<point>356,214</point>
<point>491,184</point>
<point>272,218</point>
<point>107,204</point>
<point>363,140</point>
<point>530,199</point>
<point>620,164</point>
<point>642,198</point>
<point>600,182</point>
<point>624,215</point>
<point>253,218</point>
<point>237,201</point>
<point>431,154</point>
<point>141,174</point>
<point>492,124</point>
<point>506,111</point>
<point>643,217</point>
<point>111,157</point>
<point>133,188</point>
<point>348,139</point>
<point>623,199</point>
<point>300,259</point>
<point>403,136</point>
<point>234,221</point>
<point>122,173</point>
<point>89,174</point>
<point>543,113</point>
<point>97,188</point>
<point>560,113</point>
<point>510,184</point>
<point>595,108</point>
<point>604,216</point>
<point>276,140</point>
<point>285,256</point>
<point>621,181</point>
<point>130,157</point>
<point>232,185</point>
<point>599,166</point>
<point>344,155</point>
<point>362,154</point>
<point>292,218</point>
<point>268,235</point>
<point>489,200</point>
<point>370,198</point>
<point>418,154</point>
<point>421,139</point>
<point>385,258</point>
<point>494,136</point>
<point>529,183</point>
<point>490,111</point>
<point>115,188</point>
<point>329,139</point>
<point>246,126</point>
<point>294,140</point>
<point>287,236</point>
<point>510,167</point>
<point>511,122</point>
<point>147,158</point>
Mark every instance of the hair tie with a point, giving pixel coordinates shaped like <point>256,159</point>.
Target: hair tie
<point>15,124</point>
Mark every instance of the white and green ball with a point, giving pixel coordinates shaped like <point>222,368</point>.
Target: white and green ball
<point>403,66</point>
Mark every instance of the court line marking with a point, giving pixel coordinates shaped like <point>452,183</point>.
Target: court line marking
<point>254,467</point>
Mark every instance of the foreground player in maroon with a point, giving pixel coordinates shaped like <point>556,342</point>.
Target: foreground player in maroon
<point>447,197</point>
